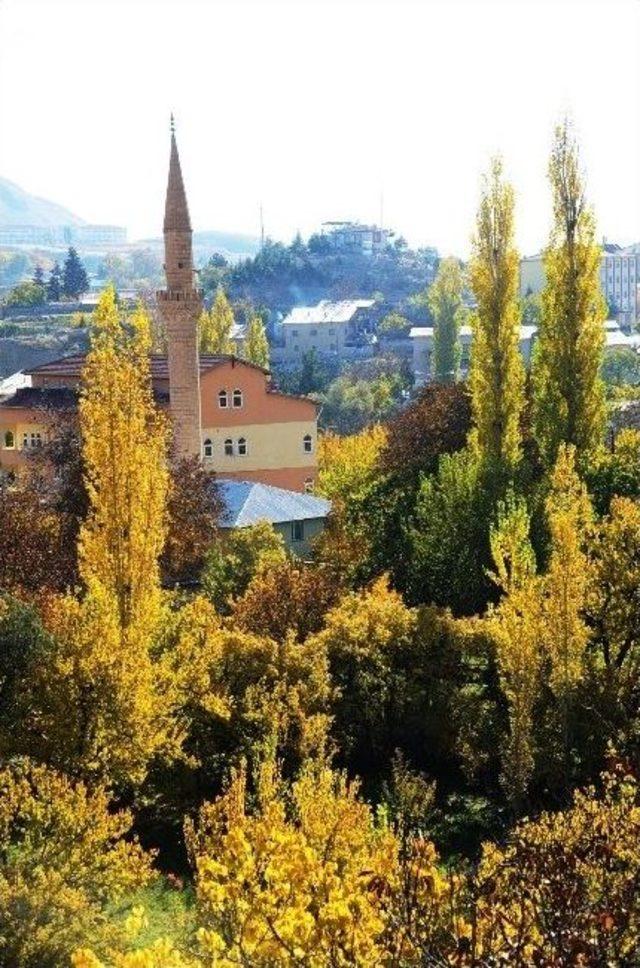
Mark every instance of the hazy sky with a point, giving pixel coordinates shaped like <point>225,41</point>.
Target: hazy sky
<point>315,107</point>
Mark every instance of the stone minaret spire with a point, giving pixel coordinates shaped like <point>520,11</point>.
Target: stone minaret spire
<point>180,305</point>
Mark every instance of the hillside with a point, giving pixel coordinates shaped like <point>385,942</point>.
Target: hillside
<point>18,207</point>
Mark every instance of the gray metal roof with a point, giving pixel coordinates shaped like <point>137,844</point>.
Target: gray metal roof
<point>326,312</point>
<point>248,502</point>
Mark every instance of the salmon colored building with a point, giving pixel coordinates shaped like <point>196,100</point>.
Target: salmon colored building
<point>223,409</point>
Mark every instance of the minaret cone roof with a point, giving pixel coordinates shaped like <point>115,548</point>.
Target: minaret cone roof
<point>176,212</point>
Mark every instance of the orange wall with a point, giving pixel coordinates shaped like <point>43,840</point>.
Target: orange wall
<point>258,406</point>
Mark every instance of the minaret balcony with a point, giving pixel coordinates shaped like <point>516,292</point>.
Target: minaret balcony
<point>180,295</point>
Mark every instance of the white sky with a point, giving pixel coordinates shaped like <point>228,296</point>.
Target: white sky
<point>314,107</point>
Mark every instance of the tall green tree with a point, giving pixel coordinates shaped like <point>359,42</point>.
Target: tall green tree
<point>445,302</point>
<point>38,276</point>
<point>568,391</point>
<point>54,284</point>
<point>497,370</point>
<point>216,326</point>
<point>74,276</point>
<point>256,345</point>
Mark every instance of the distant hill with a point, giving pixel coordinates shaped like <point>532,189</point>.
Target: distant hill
<point>232,245</point>
<point>18,207</point>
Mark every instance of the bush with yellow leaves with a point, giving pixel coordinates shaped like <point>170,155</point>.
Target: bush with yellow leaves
<point>64,863</point>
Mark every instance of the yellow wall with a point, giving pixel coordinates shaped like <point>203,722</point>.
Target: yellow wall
<point>269,446</point>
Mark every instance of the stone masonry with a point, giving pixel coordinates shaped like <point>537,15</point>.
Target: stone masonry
<point>179,306</point>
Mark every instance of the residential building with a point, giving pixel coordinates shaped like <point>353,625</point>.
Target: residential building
<point>327,328</point>
<point>223,410</point>
<point>299,518</point>
<point>355,238</point>
<point>422,340</point>
<point>62,235</point>
<point>619,278</point>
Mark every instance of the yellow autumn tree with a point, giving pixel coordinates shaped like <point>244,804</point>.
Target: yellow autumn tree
<point>563,890</point>
<point>568,390</point>
<point>565,633</point>
<point>124,445</point>
<point>66,861</point>
<point>497,370</point>
<point>106,709</point>
<point>305,878</point>
<point>515,627</point>
<point>256,344</point>
<point>216,326</point>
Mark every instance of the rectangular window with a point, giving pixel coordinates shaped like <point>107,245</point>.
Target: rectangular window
<point>297,530</point>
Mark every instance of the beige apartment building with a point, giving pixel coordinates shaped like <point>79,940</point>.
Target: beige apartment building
<point>326,328</point>
<point>619,278</point>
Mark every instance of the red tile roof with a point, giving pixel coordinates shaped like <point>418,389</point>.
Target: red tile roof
<point>71,366</point>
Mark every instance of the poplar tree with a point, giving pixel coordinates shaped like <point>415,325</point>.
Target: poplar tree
<point>256,345</point>
<point>497,370</point>
<point>568,391</point>
<point>445,302</point>
<point>216,326</point>
<point>124,441</point>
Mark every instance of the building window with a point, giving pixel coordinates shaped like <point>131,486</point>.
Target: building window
<point>297,530</point>
<point>223,402</point>
<point>314,332</point>
<point>242,446</point>
<point>9,440</point>
<point>228,447</point>
<point>208,448</point>
<point>307,443</point>
<point>31,441</point>
<point>308,485</point>
<point>237,398</point>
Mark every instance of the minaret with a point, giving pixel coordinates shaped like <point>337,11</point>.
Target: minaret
<point>180,305</point>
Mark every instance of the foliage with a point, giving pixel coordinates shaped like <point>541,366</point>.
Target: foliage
<point>256,345</point>
<point>194,508</point>
<point>615,472</point>
<point>215,326</point>
<point>64,863</point>
<point>282,886</point>
<point>349,404</point>
<point>621,367</point>
<point>394,326</point>
<point>288,597</point>
<point>497,370</point>
<point>235,557</point>
<point>564,891</point>
<point>74,276</point>
<point>27,294</point>
<point>445,303</point>
<point>449,536</point>
<point>568,391</point>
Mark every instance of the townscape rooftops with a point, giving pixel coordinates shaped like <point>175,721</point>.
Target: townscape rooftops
<point>326,312</point>
<point>247,502</point>
<point>70,367</point>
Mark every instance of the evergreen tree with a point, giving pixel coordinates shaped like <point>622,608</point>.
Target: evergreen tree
<point>497,370</point>
<point>54,285</point>
<point>445,302</point>
<point>256,345</point>
<point>568,391</point>
<point>74,280</point>
<point>216,326</point>
<point>38,276</point>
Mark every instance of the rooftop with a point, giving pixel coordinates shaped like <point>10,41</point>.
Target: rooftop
<point>327,312</point>
<point>71,366</point>
<point>248,502</point>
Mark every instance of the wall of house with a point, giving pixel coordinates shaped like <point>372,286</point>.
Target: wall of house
<point>325,338</point>
<point>311,528</point>
<point>19,422</point>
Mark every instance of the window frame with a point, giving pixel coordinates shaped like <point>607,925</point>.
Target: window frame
<point>297,531</point>
<point>207,445</point>
<point>307,444</point>
<point>242,448</point>
<point>5,440</point>
<point>228,447</point>
<point>237,393</point>
<point>223,396</point>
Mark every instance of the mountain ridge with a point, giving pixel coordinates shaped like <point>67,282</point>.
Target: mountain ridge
<point>19,207</point>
